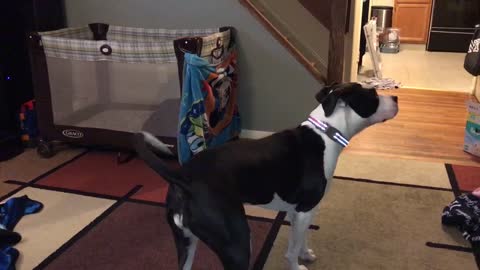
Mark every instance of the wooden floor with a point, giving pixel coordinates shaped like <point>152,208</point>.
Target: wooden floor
<point>429,126</point>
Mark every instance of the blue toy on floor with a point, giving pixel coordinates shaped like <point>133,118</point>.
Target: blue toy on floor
<point>10,214</point>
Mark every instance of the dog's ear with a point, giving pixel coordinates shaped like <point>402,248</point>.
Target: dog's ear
<point>328,97</point>
<point>324,92</point>
<point>330,102</point>
<point>320,96</point>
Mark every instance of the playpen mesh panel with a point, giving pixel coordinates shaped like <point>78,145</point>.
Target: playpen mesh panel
<point>115,96</point>
<point>135,88</point>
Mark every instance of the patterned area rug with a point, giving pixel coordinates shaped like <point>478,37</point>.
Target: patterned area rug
<point>379,214</point>
<point>102,215</point>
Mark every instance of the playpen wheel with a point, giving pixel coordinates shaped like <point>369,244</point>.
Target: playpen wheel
<point>45,149</point>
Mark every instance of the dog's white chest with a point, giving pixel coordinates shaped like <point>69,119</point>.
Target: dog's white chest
<point>278,204</point>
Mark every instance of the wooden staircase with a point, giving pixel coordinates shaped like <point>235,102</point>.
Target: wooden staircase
<point>333,15</point>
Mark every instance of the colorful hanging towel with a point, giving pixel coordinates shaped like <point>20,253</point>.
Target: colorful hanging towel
<point>208,112</point>
<point>10,214</point>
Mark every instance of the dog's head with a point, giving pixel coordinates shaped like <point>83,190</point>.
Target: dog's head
<point>357,107</point>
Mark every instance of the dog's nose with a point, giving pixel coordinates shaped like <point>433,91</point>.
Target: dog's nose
<point>395,98</point>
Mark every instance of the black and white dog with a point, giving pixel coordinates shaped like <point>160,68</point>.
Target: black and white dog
<point>287,171</point>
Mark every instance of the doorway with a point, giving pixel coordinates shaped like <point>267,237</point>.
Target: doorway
<point>429,56</point>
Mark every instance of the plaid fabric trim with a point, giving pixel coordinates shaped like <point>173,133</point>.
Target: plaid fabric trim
<point>131,34</point>
<point>128,44</point>
<point>82,33</point>
<point>89,50</point>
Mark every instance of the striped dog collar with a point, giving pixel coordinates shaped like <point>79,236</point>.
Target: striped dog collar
<point>330,131</point>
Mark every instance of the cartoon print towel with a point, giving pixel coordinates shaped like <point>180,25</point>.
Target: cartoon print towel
<point>208,112</point>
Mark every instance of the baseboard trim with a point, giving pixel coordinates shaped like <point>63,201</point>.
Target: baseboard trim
<point>254,134</point>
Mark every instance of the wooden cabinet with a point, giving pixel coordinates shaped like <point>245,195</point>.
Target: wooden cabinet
<point>414,1</point>
<point>412,17</point>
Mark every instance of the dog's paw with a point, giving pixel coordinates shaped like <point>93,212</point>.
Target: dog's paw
<point>302,267</point>
<point>298,267</point>
<point>308,256</point>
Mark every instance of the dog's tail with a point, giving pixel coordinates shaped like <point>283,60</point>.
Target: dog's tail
<point>146,145</point>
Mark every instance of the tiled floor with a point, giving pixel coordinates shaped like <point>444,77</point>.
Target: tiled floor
<point>414,67</point>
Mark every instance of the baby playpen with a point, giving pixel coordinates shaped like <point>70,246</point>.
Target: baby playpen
<point>99,84</point>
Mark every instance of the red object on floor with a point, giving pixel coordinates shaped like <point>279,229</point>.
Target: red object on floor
<point>468,177</point>
<point>98,172</point>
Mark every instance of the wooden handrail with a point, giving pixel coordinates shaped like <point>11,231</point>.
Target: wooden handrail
<point>337,21</point>
<point>277,34</point>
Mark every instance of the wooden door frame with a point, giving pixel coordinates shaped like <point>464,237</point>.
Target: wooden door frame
<point>339,24</point>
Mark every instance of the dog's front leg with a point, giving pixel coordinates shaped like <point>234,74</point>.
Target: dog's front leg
<point>306,254</point>
<point>300,223</point>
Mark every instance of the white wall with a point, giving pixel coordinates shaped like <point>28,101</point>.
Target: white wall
<point>303,29</point>
<point>390,3</point>
<point>276,91</point>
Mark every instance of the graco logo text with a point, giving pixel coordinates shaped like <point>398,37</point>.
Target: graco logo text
<point>71,133</point>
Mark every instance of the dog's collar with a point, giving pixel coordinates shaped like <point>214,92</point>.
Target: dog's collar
<point>328,130</point>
